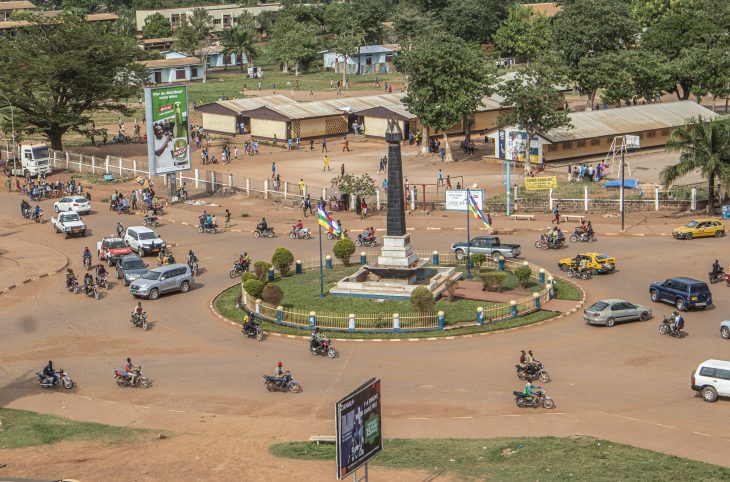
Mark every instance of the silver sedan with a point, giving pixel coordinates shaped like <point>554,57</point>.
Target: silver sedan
<point>611,311</point>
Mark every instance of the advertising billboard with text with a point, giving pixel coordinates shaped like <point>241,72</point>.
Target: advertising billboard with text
<point>359,431</point>
<point>456,199</point>
<point>168,138</point>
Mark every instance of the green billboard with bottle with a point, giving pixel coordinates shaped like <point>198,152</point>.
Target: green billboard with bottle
<point>168,139</point>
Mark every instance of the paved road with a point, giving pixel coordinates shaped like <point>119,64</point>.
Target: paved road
<point>626,383</point>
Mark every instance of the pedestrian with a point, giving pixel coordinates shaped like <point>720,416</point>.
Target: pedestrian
<point>345,145</point>
<point>489,219</point>
<point>273,169</point>
<point>9,184</point>
<point>364,208</point>
<point>311,144</point>
<point>385,184</point>
<point>556,215</point>
<point>324,145</point>
<point>298,142</point>
<point>326,163</point>
<point>235,152</point>
<point>309,204</point>
<point>134,200</point>
<point>448,181</point>
<point>290,144</point>
<point>443,154</point>
<point>301,186</point>
<point>226,218</point>
<point>440,178</point>
<point>342,169</point>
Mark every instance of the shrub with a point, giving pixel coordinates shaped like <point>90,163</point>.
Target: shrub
<point>282,260</point>
<point>343,249</point>
<point>492,281</point>
<point>478,260</point>
<point>451,286</point>
<point>253,287</point>
<point>272,294</point>
<point>523,275</point>
<point>247,276</point>
<point>422,299</point>
<point>261,268</point>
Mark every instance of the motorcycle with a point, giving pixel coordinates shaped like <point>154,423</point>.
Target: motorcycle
<point>166,259</point>
<point>667,328</point>
<point>38,217</point>
<point>73,285</point>
<point>238,269</point>
<point>92,291</point>
<point>303,233</point>
<point>534,370</point>
<point>123,380</point>
<point>268,232</point>
<point>26,212</point>
<point>581,236</point>
<point>576,272</point>
<point>150,220</point>
<point>545,242</point>
<point>101,281</point>
<point>541,399</point>
<point>120,231</point>
<point>324,348</point>
<point>330,235</point>
<point>87,262</point>
<point>120,209</point>
<point>61,378</point>
<point>208,228</point>
<point>139,321</point>
<point>253,332</point>
<point>716,277</point>
<point>288,384</point>
<point>364,239</point>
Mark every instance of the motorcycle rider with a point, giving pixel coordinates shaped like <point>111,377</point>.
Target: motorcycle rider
<point>137,311</point>
<point>589,230</point>
<point>129,370</point>
<point>317,339</point>
<point>263,225</point>
<point>531,391</point>
<point>87,255</point>
<point>583,265</point>
<point>678,323</point>
<point>49,372</point>
<point>298,227</point>
<point>88,283</point>
<point>37,212</point>
<point>281,376</point>
<point>202,219</point>
<point>191,258</point>
<point>249,325</point>
<point>120,230</point>
<point>523,359</point>
<point>716,269</point>
<point>70,276</point>
<point>24,208</point>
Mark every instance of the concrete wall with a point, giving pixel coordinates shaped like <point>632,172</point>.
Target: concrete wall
<point>599,145</point>
<point>312,128</point>
<point>375,127</point>
<point>268,128</point>
<point>219,123</point>
<point>485,120</point>
<point>169,74</point>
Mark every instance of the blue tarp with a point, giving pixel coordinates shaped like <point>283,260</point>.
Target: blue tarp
<point>628,183</point>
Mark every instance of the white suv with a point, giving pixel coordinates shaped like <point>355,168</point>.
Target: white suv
<point>712,380</point>
<point>143,240</point>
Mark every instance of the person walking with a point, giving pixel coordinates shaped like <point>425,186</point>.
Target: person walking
<point>301,187</point>
<point>226,218</point>
<point>342,169</point>
<point>324,145</point>
<point>489,219</point>
<point>440,179</point>
<point>235,152</point>
<point>326,164</point>
<point>311,144</point>
<point>273,169</point>
<point>556,215</point>
<point>363,208</point>
<point>345,145</point>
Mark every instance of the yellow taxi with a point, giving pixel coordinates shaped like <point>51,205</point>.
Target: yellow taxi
<point>699,228</point>
<point>596,262</point>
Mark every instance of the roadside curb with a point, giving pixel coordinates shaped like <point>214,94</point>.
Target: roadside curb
<point>35,278</point>
<point>577,307</point>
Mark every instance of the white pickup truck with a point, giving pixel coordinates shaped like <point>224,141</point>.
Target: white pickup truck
<point>70,224</point>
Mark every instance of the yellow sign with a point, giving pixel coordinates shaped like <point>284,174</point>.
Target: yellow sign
<point>541,183</point>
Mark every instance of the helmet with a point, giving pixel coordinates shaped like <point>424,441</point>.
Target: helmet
<point>279,364</point>
<point>50,362</point>
<point>245,253</point>
<point>242,254</point>
<point>129,360</point>
<point>316,330</point>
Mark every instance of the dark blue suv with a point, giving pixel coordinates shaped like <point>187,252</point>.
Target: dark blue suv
<point>684,293</point>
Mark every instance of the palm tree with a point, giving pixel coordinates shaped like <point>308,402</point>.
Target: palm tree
<point>240,41</point>
<point>704,146</point>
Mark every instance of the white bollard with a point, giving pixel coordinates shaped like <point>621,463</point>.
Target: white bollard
<point>585,198</point>
<point>266,189</point>
<point>377,199</point>
<point>693,202</point>
<point>551,199</point>
<point>197,178</point>
<point>656,199</point>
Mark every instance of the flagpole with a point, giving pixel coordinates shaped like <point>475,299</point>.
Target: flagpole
<point>321,272</point>
<point>468,236</point>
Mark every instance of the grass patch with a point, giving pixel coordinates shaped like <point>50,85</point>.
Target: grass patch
<point>29,429</point>
<point>533,458</point>
<point>567,291</point>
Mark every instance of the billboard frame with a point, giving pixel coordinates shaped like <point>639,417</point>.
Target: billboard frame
<point>478,195</point>
<point>151,118</point>
<point>352,402</point>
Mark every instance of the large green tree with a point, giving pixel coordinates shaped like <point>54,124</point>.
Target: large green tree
<point>474,20</point>
<point>58,72</point>
<point>240,41</point>
<point>532,103</point>
<point>193,36</point>
<point>704,147</point>
<point>156,26</point>
<point>525,34</point>
<point>410,23</point>
<point>294,43</point>
<point>447,79</point>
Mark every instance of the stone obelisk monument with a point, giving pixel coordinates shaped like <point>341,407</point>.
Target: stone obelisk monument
<point>397,250</point>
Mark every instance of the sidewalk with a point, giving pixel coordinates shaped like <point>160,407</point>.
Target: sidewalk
<point>22,262</point>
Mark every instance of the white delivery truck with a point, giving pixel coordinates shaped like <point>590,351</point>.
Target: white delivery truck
<point>32,159</point>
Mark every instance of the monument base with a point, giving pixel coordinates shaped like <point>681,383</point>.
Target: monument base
<point>365,283</point>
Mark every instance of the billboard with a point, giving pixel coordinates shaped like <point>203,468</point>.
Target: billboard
<point>512,145</point>
<point>168,137</point>
<point>456,199</point>
<point>359,431</point>
<point>632,142</point>
<point>541,183</point>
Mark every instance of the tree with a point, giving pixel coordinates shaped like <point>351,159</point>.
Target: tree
<point>532,103</point>
<point>363,185</point>
<point>447,79</point>
<point>523,274</point>
<point>704,146</point>
<point>282,260</point>
<point>410,23</point>
<point>422,300</point>
<point>474,20</point>
<point>126,24</point>
<point>254,288</point>
<point>294,43</point>
<point>347,43</point>
<point>56,73</point>
<point>193,36</point>
<point>596,71</point>
<point>246,21</point>
<point>524,33</point>
<point>272,294</point>
<point>343,250</point>
<point>156,26</point>
<point>261,269</point>
<point>240,41</point>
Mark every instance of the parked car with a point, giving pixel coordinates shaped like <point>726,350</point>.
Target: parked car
<point>725,329</point>
<point>684,293</point>
<point>490,246</point>
<point>130,267</point>
<point>597,262</point>
<point>173,277</point>
<point>611,311</point>
<point>143,240</point>
<point>111,249</point>
<point>700,228</point>
<point>77,204</point>
<point>712,380</point>
<point>69,223</point>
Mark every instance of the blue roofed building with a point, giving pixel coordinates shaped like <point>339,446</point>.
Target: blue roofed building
<point>371,59</point>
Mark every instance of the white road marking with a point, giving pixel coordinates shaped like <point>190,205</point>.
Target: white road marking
<point>140,406</point>
<point>81,396</point>
<point>667,426</point>
<point>109,401</point>
<point>704,434</point>
<point>460,418</point>
<point>418,418</point>
<point>510,415</point>
<point>630,418</point>
<point>176,411</point>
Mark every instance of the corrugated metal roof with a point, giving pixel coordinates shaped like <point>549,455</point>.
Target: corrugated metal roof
<point>167,63</point>
<point>19,5</point>
<point>252,103</point>
<point>304,110</point>
<point>355,104</point>
<point>627,120</point>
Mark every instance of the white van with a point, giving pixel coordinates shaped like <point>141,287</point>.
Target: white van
<point>712,380</point>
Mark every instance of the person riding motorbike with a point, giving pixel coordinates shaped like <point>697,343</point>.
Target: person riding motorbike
<point>249,325</point>
<point>317,338</point>
<point>589,230</point>
<point>531,391</point>
<point>37,212</point>
<point>120,230</point>
<point>24,208</point>
<point>281,376</point>
<point>87,255</point>
<point>129,368</point>
<point>100,270</point>
<point>678,322</point>
<point>70,277</point>
<point>202,219</point>
<point>263,225</point>
<point>583,265</point>
<point>371,234</point>
<point>191,258</point>
<point>88,283</point>
<point>523,360</point>
<point>716,269</point>
<point>299,226</point>
<point>49,372</point>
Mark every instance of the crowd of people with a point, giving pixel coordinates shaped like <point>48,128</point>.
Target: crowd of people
<point>586,172</point>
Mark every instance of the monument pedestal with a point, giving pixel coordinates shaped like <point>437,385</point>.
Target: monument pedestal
<point>397,252</point>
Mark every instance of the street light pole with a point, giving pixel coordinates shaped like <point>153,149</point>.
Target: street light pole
<point>623,150</point>
<point>468,238</point>
<point>12,127</point>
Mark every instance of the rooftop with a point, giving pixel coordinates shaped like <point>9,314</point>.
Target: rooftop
<point>167,63</point>
<point>548,8</point>
<point>20,5</point>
